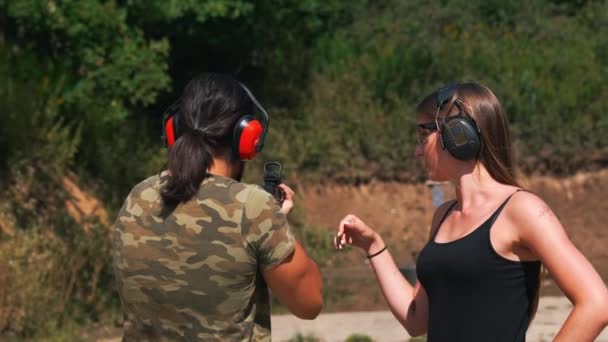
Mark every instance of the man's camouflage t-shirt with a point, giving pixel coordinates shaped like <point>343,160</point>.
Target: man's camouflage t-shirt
<point>193,272</point>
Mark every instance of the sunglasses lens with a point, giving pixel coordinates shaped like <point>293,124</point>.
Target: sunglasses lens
<point>423,131</point>
<point>421,135</point>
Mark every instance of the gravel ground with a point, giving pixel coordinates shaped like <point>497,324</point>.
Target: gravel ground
<point>381,326</point>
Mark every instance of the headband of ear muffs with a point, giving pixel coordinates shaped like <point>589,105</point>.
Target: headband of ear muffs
<point>459,134</point>
<point>248,135</point>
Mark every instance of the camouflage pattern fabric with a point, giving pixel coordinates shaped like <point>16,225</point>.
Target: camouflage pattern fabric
<point>192,273</point>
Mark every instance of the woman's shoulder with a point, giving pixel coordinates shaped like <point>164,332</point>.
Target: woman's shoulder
<point>527,210</point>
<point>257,196</point>
<point>522,201</point>
<point>152,183</point>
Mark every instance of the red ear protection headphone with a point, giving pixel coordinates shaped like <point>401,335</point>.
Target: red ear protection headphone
<point>249,132</point>
<point>170,124</point>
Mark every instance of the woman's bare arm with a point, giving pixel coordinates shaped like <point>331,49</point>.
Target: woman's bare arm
<point>539,230</point>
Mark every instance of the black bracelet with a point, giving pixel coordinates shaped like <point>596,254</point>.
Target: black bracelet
<point>378,252</point>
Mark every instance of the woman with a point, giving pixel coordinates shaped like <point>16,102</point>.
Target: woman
<point>479,272</point>
<point>196,249</point>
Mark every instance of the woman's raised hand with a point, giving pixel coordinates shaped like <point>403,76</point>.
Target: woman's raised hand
<point>353,231</point>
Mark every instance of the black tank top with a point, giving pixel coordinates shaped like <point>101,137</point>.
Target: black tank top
<point>474,293</point>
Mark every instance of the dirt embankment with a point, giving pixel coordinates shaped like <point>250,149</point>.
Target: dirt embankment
<point>402,214</point>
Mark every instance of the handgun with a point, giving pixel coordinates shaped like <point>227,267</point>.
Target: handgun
<point>272,178</point>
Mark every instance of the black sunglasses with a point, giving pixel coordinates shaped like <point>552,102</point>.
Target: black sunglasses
<point>428,125</point>
<point>423,130</point>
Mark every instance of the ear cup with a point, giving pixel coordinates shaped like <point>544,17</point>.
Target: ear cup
<point>170,135</point>
<point>247,135</point>
<point>170,129</point>
<point>171,125</point>
<point>460,137</point>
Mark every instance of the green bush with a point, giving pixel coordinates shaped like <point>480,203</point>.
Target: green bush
<point>358,338</point>
<point>47,279</point>
<point>52,268</point>
<point>368,77</point>
<point>299,337</point>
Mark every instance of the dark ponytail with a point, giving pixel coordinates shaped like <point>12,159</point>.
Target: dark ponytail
<point>210,107</point>
<point>188,159</point>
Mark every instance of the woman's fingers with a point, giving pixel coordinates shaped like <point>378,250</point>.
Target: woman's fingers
<point>345,229</point>
<point>339,234</point>
<point>353,231</point>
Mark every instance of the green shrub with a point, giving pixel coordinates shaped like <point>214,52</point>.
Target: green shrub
<point>46,279</point>
<point>299,337</point>
<point>358,338</point>
<point>53,269</point>
<point>368,78</point>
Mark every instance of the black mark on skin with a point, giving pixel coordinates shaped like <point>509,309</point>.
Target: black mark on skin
<point>546,212</point>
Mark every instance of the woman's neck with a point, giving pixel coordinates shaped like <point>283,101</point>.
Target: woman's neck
<point>222,167</point>
<point>474,188</point>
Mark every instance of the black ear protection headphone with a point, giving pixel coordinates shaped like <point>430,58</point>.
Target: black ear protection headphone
<point>249,132</point>
<point>459,133</point>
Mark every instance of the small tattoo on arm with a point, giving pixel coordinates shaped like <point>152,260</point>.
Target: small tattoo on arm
<point>546,212</point>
